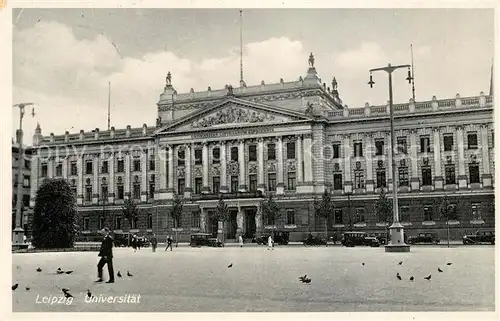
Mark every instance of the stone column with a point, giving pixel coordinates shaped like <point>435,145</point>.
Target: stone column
<point>462,178</point>
<point>144,177</point>
<point>127,176</point>
<point>162,172</point>
<point>347,164</point>
<point>308,165</point>
<point>170,188</point>
<point>65,167</point>
<point>187,171</point>
<point>223,168</point>
<point>370,183</point>
<point>258,221</point>
<point>438,174</point>
<point>206,188</point>
<point>95,184</point>
<point>79,192</point>
<point>414,180</point>
<point>241,160</point>
<point>280,186</point>
<point>485,155</point>
<point>300,171</point>
<point>239,222</point>
<point>50,168</point>
<point>261,186</point>
<point>203,220</point>
<point>35,166</point>
<point>391,180</point>
<point>111,185</point>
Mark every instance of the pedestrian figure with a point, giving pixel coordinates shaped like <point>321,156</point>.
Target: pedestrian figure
<point>138,242</point>
<point>154,242</point>
<point>134,243</point>
<point>106,254</point>
<point>334,238</point>
<point>169,243</point>
<point>240,239</point>
<point>270,243</point>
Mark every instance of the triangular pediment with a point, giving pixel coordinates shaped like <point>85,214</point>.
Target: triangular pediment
<point>234,112</point>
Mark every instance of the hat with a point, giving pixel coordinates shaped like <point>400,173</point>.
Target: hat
<point>105,229</point>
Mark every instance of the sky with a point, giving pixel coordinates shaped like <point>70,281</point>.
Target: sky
<point>63,59</point>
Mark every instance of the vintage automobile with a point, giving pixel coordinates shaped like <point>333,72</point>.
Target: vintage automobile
<point>122,240</point>
<point>204,239</point>
<point>280,238</point>
<point>314,240</point>
<point>480,236</point>
<point>432,238</point>
<point>382,237</point>
<point>351,239</point>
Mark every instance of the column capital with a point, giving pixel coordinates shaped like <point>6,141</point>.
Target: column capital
<point>260,140</point>
<point>436,129</point>
<point>299,136</point>
<point>459,127</point>
<point>307,135</point>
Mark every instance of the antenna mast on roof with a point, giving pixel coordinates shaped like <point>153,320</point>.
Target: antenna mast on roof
<point>242,82</point>
<point>412,74</point>
<point>109,105</point>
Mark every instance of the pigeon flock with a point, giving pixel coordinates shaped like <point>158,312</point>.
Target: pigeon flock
<point>412,278</point>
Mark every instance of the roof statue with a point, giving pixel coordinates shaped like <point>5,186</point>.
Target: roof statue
<point>230,90</point>
<point>334,84</point>
<point>311,60</point>
<point>168,79</point>
<point>309,109</point>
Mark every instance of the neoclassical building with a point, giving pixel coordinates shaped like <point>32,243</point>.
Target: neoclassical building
<point>292,139</point>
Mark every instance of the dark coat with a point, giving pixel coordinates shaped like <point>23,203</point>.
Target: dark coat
<point>154,241</point>
<point>106,247</point>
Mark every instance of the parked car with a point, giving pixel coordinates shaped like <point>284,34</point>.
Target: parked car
<point>280,238</point>
<point>480,236</point>
<point>382,237</point>
<point>424,238</point>
<point>351,239</point>
<point>204,239</point>
<point>143,241</point>
<point>314,240</point>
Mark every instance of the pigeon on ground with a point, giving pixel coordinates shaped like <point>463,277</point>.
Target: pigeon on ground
<point>15,286</point>
<point>412,278</point>
<point>428,277</point>
<point>89,294</point>
<point>363,263</point>
<point>398,276</point>
<point>302,278</point>
<point>306,281</point>
<point>68,295</point>
<point>400,263</point>
<point>27,288</point>
<point>59,269</point>
<point>65,290</point>
<point>69,272</point>
<point>230,265</point>
<point>439,270</point>
<point>119,274</point>
<point>448,263</point>
<point>129,274</point>
<point>39,269</point>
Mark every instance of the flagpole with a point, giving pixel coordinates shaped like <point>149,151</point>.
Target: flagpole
<point>242,82</point>
<point>413,73</point>
<point>109,105</point>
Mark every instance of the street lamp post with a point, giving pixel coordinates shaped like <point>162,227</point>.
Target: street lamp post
<point>18,232</point>
<point>349,213</point>
<point>397,243</point>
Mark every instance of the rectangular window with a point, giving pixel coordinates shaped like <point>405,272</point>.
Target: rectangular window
<point>27,164</point>
<point>336,150</point>
<point>198,184</point>
<point>86,223</point>
<point>152,164</point>
<point>425,146</point>
<point>118,222</point>
<point>215,184</point>
<point>88,194</point>
<point>360,215</point>
<point>101,223</point>
<point>26,181</point>
<point>181,184</point>
<point>195,219</point>
<point>359,179</point>
<point>358,149</point>
<point>137,191</point>
<point>476,211</point>
<point>104,192</point>
<point>448,142</point>
<point>472,140</point>
<point>234,154</point>
<point>151,189</point>
<point>404,213</point>
<point>290,217</point>
<point>290,150</point>
<point>337,181</point>
<point>150,221</point>
<point>473,173</point>
<point>104,167</point>
<point>449,173</point>
<point>291,181</point>
<point>338,214</point>
<point>88,166</point>
<point>271,182</point>
<point>198,156</point>
<point>253,183</point>
<point>381,181</point>
<point>426,176</point>
<point>234,184</point>
<point>427,213</point>
<point>59,172</point>
<point>181,157</point>
<point>379,147</point>
<point>216,155</point>
<point>44,170</point>
<point>73,169</point>
<point>119,190</point>
<point>252,153</point>
<point>121,166</point>
<point>403,176</point>
<point>271,152</point>
<point>402,145</point>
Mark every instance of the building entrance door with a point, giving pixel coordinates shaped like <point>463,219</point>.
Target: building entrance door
<point>232,224</point>
<point>250,227</point>
<point>212,225</point>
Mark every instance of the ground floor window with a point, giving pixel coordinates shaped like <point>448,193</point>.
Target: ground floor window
<point>234,184</point>
<point>403,176</point>
<point>449,174</point>
<point>253,183</point>
<point>381,181</point>
<point>271,179</point>
<point>338,216</point>
<point>119,191</point>
<point>150,221</point>
<point>86,223</point>
<point>290,217</point>
<point>474,173</point>
<point>360,215</point>
<point>359,179</point>
<point>88,194</point>
<point>101,223</point>
<point>195,219</point>
<point>404,213</point>
<point>337,181</point>
<point>476,211</point>
<point>428,213</point>
<point>118,222</point>
<point>137,191</point>
<point>426,176</point>
<point>291,181</point>
<point>198,182</point>
<point>215,184</point>
<point>181,184</point>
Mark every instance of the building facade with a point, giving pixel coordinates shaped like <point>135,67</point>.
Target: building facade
<point>290,139</point>
<point>26,172</point>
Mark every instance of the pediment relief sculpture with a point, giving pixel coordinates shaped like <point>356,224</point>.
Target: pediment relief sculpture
<point>232,115</point>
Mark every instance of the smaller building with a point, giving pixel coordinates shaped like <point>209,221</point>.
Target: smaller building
<point>25,159</point>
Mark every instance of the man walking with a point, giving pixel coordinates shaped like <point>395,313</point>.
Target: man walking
<point>106,254</point>
<point>169,243</point>
<point>154,242</point>
<point>240,239</point>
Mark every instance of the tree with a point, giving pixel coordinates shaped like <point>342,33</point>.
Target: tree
<point>323,208</point>
<point>271,211</point>
<point>55,215</point>
<point>447,212</point>
<point>221,214</point>
<point>131,213</point>
<point>383,209</point>
<point>176,214</point>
